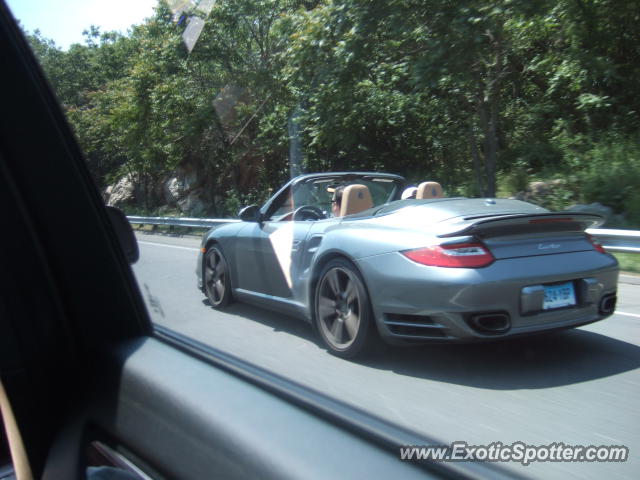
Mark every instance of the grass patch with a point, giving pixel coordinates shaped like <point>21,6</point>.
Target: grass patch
<point>629,262</point>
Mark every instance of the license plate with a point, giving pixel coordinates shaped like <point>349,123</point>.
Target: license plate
<point>558,296</point>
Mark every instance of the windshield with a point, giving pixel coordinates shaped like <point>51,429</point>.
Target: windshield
<point>310,112</point>
<point>320,192</point>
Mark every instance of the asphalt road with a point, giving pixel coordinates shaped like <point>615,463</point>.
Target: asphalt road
<point>579,387</point>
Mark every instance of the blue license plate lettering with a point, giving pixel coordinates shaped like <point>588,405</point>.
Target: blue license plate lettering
<point>559,296</point>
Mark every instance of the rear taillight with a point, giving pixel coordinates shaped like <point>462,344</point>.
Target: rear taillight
<point>596,244</point>
<point>465,255</point>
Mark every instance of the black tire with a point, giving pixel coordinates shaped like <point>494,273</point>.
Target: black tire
<point>342,310</point>
<point>215,273</point>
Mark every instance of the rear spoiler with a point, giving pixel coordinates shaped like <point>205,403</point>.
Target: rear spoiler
<point>522,224</point>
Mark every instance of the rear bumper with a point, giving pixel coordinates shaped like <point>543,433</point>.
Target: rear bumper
<point>413,303</point>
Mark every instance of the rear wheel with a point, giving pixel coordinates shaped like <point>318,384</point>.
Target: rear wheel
<point>217,286</point>
<point>343,313</point>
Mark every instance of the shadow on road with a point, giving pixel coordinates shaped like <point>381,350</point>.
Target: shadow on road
<point>551,360</point>
<point>542,361</point>
<point>277,321</point>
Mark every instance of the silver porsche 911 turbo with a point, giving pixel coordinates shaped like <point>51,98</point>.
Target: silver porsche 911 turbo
<point>346,253</point>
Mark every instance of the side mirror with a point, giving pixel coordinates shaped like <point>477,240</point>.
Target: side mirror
<point>125,234</point>
<point>250,214</point>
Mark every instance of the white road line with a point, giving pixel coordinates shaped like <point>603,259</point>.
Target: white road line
<point>168,246</point>
<point>627,314</point>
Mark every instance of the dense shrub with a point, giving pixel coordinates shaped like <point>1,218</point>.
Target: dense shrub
<point>608,172</point>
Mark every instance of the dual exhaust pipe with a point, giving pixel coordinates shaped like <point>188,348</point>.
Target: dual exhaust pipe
<point>491,323</point>
<point>500,322</point>
<point>607,304</point>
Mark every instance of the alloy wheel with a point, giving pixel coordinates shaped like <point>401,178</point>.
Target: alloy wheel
<point>339,307</point>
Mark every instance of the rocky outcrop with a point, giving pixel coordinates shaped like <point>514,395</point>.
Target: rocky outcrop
<point>192,204</point>
<point>122,193</point>
<point>540,190</point>
<point>182,190</point>
<point>542,193</point>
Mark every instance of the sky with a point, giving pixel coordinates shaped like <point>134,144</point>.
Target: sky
<point>64,20</point>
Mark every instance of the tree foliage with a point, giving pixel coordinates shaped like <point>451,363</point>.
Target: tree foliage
<point>461,92</point>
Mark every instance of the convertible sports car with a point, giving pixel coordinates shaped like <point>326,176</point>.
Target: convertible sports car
<point>408,271</point>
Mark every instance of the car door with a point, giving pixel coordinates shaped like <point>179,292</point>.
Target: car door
<point>274,249</point>
<point>269,250</point>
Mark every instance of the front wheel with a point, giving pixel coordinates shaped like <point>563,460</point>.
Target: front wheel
<point>343,313</point>
<point>217,286</point>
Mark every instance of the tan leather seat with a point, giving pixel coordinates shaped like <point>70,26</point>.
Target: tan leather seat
<point>429,190</point>
<point>355,199</point>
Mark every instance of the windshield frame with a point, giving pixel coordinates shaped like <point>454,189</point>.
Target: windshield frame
<point>276,200</point>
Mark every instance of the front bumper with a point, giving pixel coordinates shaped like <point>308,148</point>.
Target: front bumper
<point>413,303</point>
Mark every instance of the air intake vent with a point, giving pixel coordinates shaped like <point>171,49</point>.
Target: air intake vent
<point>417,326</point>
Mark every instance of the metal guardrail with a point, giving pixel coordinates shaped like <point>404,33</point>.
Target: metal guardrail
<point>181,222</point>
<point>624,241</point>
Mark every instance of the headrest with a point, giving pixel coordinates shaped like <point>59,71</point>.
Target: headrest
<point>429,190</point>
<point>355,199</point>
